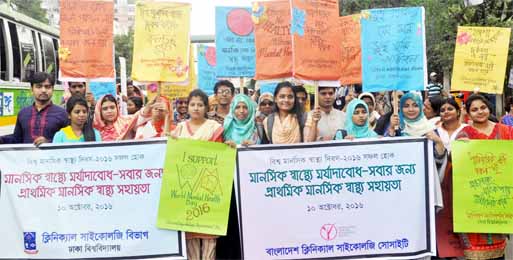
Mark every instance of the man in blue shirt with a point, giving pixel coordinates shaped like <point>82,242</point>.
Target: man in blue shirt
<point>38,123</point>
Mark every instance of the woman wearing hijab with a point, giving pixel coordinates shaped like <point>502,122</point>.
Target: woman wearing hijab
<point>371,104</point>
<point>239,125</point>
<point>109,121</point>
<point>155,121</point>
<point>357,122</point>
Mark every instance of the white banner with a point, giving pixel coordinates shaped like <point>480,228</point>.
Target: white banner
<point>356,199</point>
<point>86,200</point>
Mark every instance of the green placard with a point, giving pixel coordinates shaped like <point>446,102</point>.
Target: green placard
<point>196,187</point>
<point>483,186</point>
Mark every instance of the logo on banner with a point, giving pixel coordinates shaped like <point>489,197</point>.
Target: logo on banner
<point>328,232</point>
<point>8,104</point>
<point>29,241</point>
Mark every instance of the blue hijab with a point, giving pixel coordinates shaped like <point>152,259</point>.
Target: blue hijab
<point>240,130</point>
<point>418,126</point>
<point>357,131</point>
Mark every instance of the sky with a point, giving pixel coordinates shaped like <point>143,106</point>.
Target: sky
<point>203,14</point>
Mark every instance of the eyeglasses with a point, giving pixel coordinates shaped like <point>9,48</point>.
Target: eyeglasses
<point>266,104</point>
<point>224,92</point>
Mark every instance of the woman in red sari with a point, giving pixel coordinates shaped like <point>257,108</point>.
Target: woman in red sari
<point>483,246</point>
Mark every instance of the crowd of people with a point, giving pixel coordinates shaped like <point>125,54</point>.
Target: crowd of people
<point>286,116</point>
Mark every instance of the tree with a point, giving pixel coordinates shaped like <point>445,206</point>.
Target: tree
<point>124,45</point>
<point>31,8</point>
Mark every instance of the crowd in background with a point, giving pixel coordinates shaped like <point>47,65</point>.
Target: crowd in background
<point>287,116</point>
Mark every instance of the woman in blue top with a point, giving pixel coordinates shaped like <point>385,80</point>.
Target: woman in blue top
<point>78,130</point>
<point>357,122</point>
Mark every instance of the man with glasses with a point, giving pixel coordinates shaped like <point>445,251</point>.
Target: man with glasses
<point>181,110</point>
<point>324,121</point>
<point>38,123</point>
<point>224,91</point>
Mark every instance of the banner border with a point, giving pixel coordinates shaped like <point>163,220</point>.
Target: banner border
<point>424,141</point>
<point>25,147</point>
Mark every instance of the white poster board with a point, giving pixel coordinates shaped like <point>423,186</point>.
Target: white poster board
<point>84,201</point>
<point>354,200</point>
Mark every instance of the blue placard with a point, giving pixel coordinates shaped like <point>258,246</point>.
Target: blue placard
<point>100,89</point>
<point>235,42</point>
<point>206,68</point>
<point>393,49</point>
<point>268,87</point>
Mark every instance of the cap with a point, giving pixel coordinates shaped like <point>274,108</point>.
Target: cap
<point>432,74</point>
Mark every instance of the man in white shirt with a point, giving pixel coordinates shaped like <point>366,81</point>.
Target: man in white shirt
<point>324,121</point>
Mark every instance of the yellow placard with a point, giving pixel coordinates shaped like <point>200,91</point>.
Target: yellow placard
<point>480,59</point>
<point>161,41</point>
<point>177,90</point>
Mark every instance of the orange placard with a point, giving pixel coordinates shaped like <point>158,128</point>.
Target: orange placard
<point>86,44</point>
<point>272,39</point>
<point>351,51</point>
<point>315,39</point>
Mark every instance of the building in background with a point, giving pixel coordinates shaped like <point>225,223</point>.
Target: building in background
<point>52,11</point>
<point>124,16</point>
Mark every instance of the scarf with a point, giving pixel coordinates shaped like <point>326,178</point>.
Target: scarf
<point>418,126</point>
<point>372,116</point>
<point>240,130</point>
<point>118,130</point>
<point>353,129</point>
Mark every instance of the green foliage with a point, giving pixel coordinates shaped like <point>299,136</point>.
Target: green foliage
<point>31,8</point>
<point>124,45</point>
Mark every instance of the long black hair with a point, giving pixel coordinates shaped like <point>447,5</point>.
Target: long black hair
<point>436,104</point>
<point>296,109</point>
<point>87,129</point>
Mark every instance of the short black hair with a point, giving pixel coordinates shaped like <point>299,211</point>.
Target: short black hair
<point>40,77</point>
<point>299,89</point>
<point>321,88</point>
<point>509,103</point>
<point>224,82</point>
<point>436,104</point>
<point>138,102</point>
<point>199,93</point>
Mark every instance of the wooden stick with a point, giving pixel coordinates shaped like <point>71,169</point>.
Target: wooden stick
<point>316,94</point>
<point>395,105</point>
<point>241,91</point>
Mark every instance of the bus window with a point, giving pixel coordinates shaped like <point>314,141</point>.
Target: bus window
<point>28,52</point>
<point>3,57</point>
<point>49,55</point>
<point>16,60</point>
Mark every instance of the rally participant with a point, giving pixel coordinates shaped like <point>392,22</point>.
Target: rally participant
<point>388,122</point>
<point>155,119</point>
<point>180,114</point>
<point>508,118</point>
<point>432,109</point>
<point>78,130</point>
<point>109,121</point>
<point>239,124</point>
<point>134,104</point>
<point>324,121</point>
<point>285,125</point>
<point>357,122</point>
<point>370,100</point>
<point>303,98</point>
<point>448,129</point>
<point>38,123</point>
<point>224,91</point>
<point>483,246</point>
<point>198,127</point>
